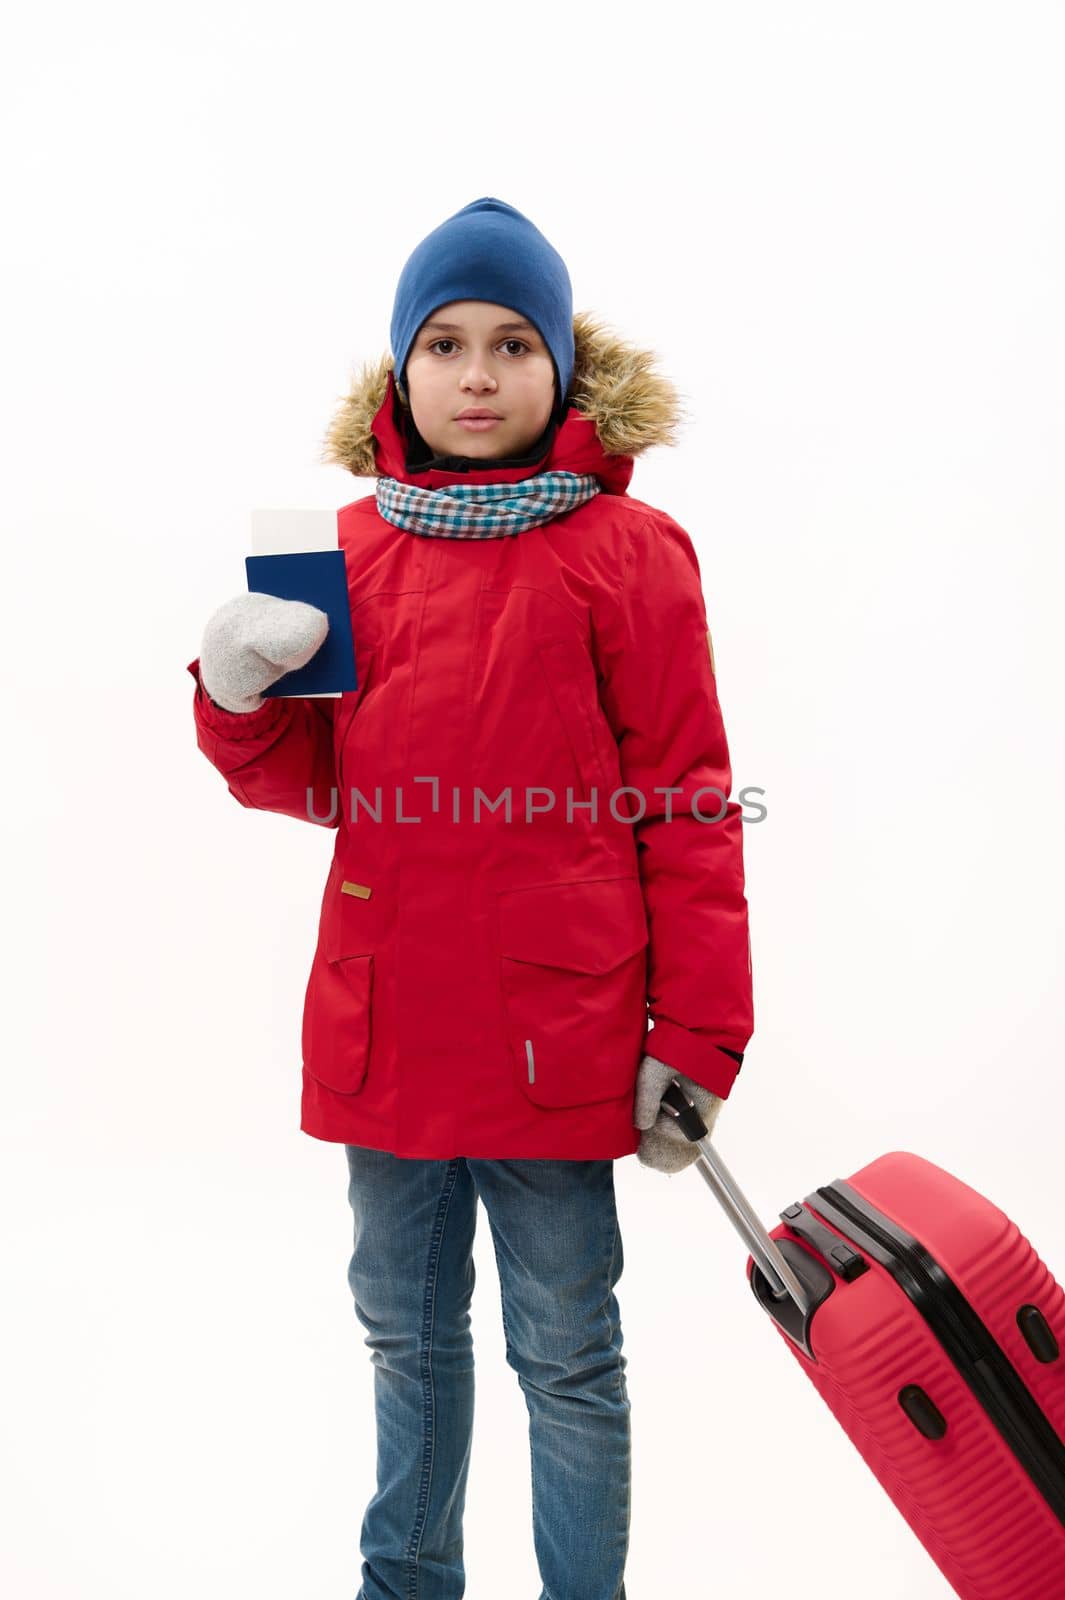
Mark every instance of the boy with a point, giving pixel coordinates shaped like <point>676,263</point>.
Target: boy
<point>534,850</point>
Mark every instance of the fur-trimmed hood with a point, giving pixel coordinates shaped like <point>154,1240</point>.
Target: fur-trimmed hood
<point>614,386</point>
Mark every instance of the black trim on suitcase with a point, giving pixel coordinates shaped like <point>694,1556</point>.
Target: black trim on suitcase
<point>816,1279</point>
<point>835,1251</point>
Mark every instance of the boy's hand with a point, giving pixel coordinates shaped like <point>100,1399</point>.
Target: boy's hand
<point>252,641</point>
<point>663,1146</point>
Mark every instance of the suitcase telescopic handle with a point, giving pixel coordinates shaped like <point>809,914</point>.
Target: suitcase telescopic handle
<point>782,1280</point>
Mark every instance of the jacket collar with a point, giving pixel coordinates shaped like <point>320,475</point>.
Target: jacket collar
<point>618,407</point>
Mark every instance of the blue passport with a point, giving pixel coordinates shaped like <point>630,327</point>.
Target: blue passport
<point>320,578</point>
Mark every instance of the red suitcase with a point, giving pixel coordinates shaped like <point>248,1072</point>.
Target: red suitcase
<point>934,1332</point>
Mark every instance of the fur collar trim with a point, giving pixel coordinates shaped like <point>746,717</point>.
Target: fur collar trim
<point>615,385</point>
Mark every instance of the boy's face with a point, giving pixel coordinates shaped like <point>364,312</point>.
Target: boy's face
<point>475,355</point>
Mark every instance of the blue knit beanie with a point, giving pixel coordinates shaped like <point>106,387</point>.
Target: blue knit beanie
<point>487,251</point>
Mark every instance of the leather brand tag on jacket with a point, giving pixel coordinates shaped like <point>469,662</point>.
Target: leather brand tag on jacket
<point>361,889</point>
<point>710,647</point>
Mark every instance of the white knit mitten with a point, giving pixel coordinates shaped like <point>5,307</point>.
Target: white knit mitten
<point>253,640</point>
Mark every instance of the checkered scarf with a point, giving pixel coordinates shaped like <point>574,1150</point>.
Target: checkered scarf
<point>483,510</point>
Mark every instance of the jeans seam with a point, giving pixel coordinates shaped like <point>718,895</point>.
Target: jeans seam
<point>510,1350</point>
<point>502,1291</point>
<point>428,1395</point>
<point>619,1376</point>
<point>622,1394</point>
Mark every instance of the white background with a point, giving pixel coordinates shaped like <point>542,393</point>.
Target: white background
<point>841,228</point>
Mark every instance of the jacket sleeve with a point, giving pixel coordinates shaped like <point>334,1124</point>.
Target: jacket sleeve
<point>271,757</point>
<point>658,690</point>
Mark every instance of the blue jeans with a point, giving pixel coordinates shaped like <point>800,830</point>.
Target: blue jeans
<point>559,1254</point>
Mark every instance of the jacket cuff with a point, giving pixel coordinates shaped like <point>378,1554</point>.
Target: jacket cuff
<point>233,724</point>
<point>692,1055</point>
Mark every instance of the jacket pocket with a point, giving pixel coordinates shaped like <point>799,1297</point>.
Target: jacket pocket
<point>573,968</point>
<point>338,1007</point>
<point>570,676</point>
<point>337,1021</point>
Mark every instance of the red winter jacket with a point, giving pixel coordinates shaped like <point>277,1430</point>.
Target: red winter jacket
<point>482,984</point>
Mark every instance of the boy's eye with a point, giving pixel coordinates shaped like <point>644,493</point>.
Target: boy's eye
<point>445,340</point>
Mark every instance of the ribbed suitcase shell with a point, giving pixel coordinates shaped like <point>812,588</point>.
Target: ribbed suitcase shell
<point>990,1529</point>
